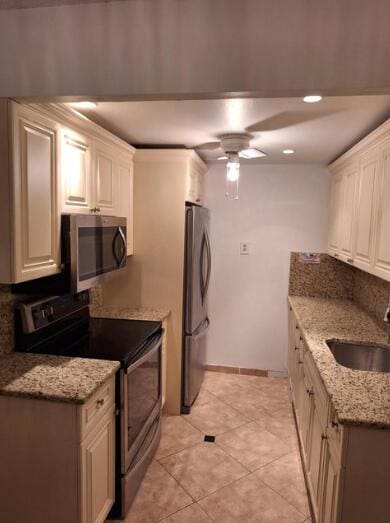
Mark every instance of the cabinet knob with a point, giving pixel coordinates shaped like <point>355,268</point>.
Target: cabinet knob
<point>324,436</point>
<point>100,402</point>
<point>349,260</point>
<point>336,255</point>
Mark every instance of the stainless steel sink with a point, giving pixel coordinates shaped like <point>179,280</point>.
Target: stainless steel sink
<point>360,356</point>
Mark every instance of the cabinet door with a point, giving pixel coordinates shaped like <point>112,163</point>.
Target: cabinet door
<point>330,486</point>
<point>35,213</point>
<point>314,462</point>
<point>75,173</point>
<point>98,472</point>
<point>195,186</point>
<point>347,215</point>
<point>335,213</point>
<point>382,241</point>
<point>125,201</point>
<point>364,221</point>
<point>105,181</point>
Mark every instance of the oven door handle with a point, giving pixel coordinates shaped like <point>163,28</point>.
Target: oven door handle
<point>150,350</point>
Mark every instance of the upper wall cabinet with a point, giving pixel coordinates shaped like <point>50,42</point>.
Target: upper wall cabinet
<point>360,204</point>
<point>29,225</point>
<point>76,174</point>
<point>54,161</point>
<point>382,239</point>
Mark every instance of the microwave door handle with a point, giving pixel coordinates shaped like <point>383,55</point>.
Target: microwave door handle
<point>114,248</point>
<point>124,245</point>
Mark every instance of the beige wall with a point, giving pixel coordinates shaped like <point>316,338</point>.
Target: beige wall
<point>178,47</point>
<point>281,208</point>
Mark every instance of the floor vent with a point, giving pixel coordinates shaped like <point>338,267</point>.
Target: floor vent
<point>209,439</point>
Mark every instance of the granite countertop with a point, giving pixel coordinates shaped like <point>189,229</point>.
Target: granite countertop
<point>54,378</point>
<point>129,313</point>
<point>359,397</point>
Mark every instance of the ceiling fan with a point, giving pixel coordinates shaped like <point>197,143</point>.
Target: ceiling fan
<point>234,146</point>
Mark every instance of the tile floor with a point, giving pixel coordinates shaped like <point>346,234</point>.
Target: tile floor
<point>252,473</point>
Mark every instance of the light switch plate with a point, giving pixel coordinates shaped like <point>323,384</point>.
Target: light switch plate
<point>244,248</point>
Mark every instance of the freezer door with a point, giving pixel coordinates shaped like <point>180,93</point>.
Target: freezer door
<point>198,267</point>
<point>194,361</point>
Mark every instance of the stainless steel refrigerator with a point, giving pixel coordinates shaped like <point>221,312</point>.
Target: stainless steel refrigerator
<point>196,285</point>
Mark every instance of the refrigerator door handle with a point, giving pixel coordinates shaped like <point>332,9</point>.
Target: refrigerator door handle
<point>208,251</point>
<point>202,279</point>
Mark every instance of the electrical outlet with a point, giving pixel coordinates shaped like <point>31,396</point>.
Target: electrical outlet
<point>244,248</point>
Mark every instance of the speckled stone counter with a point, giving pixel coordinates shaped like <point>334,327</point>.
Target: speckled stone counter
<point>54,378</point>
<point>128,313</point>
<point>359,397</point>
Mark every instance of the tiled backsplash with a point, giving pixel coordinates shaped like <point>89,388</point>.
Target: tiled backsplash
<point>332,278</point>
<point>7,304</point>
<point>6,319</point>
<point>328,279</point>
<point>371,293</point>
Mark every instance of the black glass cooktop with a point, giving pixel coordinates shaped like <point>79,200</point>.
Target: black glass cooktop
<point>81,336</point>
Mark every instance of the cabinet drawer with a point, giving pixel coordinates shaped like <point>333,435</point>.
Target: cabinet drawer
<point>96,407</point>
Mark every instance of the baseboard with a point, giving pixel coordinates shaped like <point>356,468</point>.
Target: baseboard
<point>247,372</point>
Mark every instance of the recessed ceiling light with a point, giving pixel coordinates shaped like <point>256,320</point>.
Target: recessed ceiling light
<point>312,98</point>
<point>288,151</point>
<point>83,105</point>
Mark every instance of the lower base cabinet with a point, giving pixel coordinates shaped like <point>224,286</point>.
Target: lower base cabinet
<point>347,468</point>
<point>57,459</point>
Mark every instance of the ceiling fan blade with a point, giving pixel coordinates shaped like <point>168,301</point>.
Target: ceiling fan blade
<point>250,153</point>
<point>285,119</point>
<point>208,146</point>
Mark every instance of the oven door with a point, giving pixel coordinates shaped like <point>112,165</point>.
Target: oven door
<point>140,400</point>
<point>98,246</point>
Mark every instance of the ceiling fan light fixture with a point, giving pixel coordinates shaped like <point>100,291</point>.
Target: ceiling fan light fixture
<point>312,98</point>
<point>251,153</point>
<point>232,176</point>
<point>223,157</point>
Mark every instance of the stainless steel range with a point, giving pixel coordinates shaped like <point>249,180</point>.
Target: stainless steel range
<point>61,325</point>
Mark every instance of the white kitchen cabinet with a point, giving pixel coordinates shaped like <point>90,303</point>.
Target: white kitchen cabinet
<point>365,207</point>
<point>331,468</point>
<point>335,213</point>
<point>347,211</point>
<point>66,472</point>
<point>29,228</point>
<point>195,184</point>
<point>54,161</point>
<point>105,180</point>
<point>75,172</point>
<point>98,471</point>
<point>125,209</point>
<point>382,238</point>
<point>360,204</point>
<point>347,467</point>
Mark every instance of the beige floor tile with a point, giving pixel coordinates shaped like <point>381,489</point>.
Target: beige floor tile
<point>215,417</point>
<point>159,496</point>
<point>203,469</point>
<point>249,500</point>
<point>177,434</point>
<point>281,426</point>
<point>192,514</point>
<point>285,475</point>
<point>252,446</point>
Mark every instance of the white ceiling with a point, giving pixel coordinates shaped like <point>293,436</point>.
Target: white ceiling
<point>317,132</point>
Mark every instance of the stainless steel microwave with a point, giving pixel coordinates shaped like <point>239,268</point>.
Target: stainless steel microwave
<point>91,247</point>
